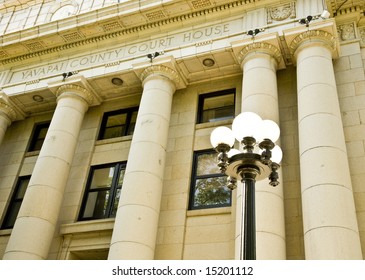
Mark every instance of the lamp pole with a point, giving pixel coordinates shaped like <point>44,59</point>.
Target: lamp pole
<point>259,160</point>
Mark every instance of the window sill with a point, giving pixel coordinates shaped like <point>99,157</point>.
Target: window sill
<point>213,124</point>
<point>5,232</point>
<point>113,140</point>
<point>87,226</point>
<point>209,211</point>
<point>32,154</point>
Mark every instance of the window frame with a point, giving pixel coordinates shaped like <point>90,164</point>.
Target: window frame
<point>114,186</point>
<point>128,111</point>
<point>12,202</point>
<point>203,97</point>
<point>35,135</point>
<point>195,177</point>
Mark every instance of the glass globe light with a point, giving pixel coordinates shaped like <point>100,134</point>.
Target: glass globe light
<point>233,152</point>
<point>276,154</point>
<point>269,130</point>
<point>222,135</point>
<point>246,124</point>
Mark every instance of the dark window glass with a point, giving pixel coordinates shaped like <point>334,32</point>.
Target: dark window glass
<point>216,106</point>
<point>38,137</point>
<point>209,185</point>
<point>15,202</point>
<point>118,123</point>
<point>103,191</point>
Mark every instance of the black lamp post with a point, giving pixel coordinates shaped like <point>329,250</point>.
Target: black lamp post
<point>259,160</point>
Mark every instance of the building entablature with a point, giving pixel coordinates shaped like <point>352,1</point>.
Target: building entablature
<point>206,41</point>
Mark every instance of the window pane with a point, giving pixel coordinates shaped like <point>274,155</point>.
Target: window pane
<point>22,187</point>
<point>212,192</point>
<point>132,124</point>
<point>112,132</point>
<point>96,205</point>
<point>217,108</point>
<point>115,204</point>
<point>121,176</point>
<point>207,164</point>
<point>38,137</point>
<point>12,214</point>
<point>102,178</point>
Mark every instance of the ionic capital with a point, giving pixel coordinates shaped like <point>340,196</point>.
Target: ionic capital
<point>260,47</point>
<point>160,70</point>
<point>74,90</point>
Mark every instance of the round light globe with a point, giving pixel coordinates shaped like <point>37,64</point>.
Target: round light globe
<point>276,154</point>
<point>222,135</point>
<point>233,152</point>
<point>269,130</point>
<point>246,124</point>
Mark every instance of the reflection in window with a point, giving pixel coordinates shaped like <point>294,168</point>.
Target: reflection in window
<point>216,106</point>
<point>103,191</point>
<point>118,123</point>
<point>209,185</point>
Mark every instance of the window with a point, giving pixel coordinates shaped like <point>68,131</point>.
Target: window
<point>103,191</point>
<point>216,106</point>
<point>118,123</point>
<point>15,203</point>
<point>208,185</point>
<point>38,136</point>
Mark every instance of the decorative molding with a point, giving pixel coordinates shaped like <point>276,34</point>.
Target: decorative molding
<point>127,31</point>
<point>347,31</point>
<point>160,70</point>
<point>261,47</point>
<point>199,44</point>
<point>313,35</point>
<point>362,35</point>
<point>280,13</point>
<point>6,109</point>
<point>198,4</point>
<point>75,90</point>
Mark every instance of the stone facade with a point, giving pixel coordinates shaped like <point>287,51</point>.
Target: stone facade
<point>58,60</point>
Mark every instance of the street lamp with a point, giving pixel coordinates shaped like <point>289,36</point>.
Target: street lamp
<point>259,160</point>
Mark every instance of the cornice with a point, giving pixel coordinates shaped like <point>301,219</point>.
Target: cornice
<point>31,46</point>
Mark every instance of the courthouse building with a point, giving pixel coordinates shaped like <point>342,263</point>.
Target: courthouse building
<point>106,110</point>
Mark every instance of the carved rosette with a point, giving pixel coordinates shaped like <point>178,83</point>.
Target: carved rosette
<point>347,31</point>
<point>73,90</point>
<point>323,37</point>
<point>160,70</point>
<point>6,110</point>
<point>260,47</point>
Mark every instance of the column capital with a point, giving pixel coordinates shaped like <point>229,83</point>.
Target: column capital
<point>76,86</point>
<point>6,109</point>
<point>268,44</point>
<point>161,66</point>
<point>323,33</point>
<point>74,90</point>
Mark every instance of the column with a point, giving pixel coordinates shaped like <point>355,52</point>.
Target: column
<point>136,222</point>
<point>7,115</point>
<point>35,225</point>
<point>329,215</point>
<point>260,61</point>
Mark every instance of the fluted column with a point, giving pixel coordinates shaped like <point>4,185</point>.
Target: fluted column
<point>329,215</point>
<point>259,61</point>
<point>136,222</point>
<point>35,225</point>
<point>7,115</point>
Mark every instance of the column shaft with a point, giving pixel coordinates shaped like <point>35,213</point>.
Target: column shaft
<point>7,114</point>
<point>136,222</point>
<point>260,95</point>
<point>35,225</point>
<point>329,215</point>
